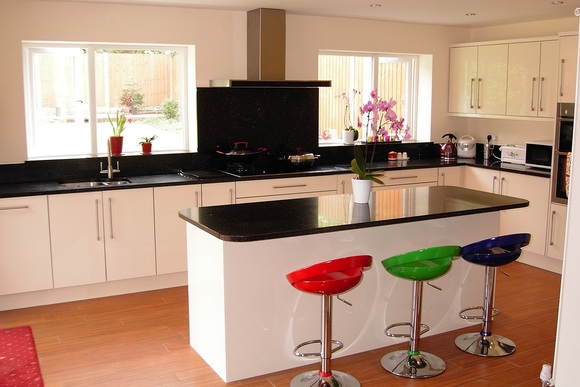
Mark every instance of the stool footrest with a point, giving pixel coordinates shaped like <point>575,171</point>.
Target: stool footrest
<point>424,329</point>
<point>338,344</point>
<point>462,314</point>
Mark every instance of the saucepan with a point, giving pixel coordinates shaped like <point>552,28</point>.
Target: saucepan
<point>241,154</point>
<point>304,160</point>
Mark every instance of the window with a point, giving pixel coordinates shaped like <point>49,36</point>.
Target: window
<point>73,89</point>
<point>392,75</point>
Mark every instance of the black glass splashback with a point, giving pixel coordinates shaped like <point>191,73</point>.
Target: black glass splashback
<point>278,119</point>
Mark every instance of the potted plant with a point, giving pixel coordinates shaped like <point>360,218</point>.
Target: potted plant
<point>361,183</point>
<point>146,144</point>
<point>350,133</point>
<point>119,125</point>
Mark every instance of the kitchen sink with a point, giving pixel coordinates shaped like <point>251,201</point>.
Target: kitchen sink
<point>94,183</point>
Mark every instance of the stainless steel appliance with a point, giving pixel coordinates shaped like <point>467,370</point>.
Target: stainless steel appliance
<point>562,148</point>
<point>539,154</point>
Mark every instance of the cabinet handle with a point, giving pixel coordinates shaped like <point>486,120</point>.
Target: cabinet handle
<point>403,177</point>
<point>13,208</point>
<point>289,186</point>
<point>479,82</point>
<point>471,93</point>
<point>541,103</point>
<point>97,218</point>
<point>111,217</point>
<point>196,198</point>
<point>533,88</point>
<point>501,185</point>
<point>552,229</point>
<point>443,178</point>
<point>231,196</point>
<point>493,184</point>
<point>562,78</point>
<point>342,183</point>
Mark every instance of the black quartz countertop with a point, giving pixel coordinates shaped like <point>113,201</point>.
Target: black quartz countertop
<point>296,217</point>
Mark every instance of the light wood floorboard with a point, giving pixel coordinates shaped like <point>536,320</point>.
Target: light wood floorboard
<point>142,340</point>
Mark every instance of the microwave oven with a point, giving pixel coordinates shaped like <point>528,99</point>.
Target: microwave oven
<point>539,154</point>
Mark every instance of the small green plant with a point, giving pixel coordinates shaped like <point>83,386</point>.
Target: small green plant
<point>170,108</point>
<point>147,140</point>
<point>358,165</point>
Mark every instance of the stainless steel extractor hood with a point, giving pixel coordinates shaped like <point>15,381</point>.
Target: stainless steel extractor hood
<point>266,53</point>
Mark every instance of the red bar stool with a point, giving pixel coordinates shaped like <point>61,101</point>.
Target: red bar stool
<point>329,278</point>
<point>491,253</point>
<point>418,266</point>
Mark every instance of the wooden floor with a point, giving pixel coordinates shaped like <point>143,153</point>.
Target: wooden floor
<point>142,340</point>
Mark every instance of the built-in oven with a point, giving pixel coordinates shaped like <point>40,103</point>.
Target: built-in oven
<point>562,150</point>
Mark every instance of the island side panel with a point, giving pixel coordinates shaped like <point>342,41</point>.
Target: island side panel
<point>265,317</point>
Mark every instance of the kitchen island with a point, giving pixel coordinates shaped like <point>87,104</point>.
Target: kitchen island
<point>244,316</point>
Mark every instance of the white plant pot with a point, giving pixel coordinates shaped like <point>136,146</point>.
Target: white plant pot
<point>348,137</point>
<point>361,190</point>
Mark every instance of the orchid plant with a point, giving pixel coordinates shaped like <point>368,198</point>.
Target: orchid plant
<point>121,118</point>
<point>347,113</point>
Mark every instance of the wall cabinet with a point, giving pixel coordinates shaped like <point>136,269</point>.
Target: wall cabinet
<point>170,236</point>
<point>216,194</point>
<point>451,176</point>
<point>568,66</point>
<point>532,79</point>
<point>556,230</point>
<point>25,263</point>
<point>478,79</point>
<point>288,188</point>
<point>530,219</point>
<point>109,232</point>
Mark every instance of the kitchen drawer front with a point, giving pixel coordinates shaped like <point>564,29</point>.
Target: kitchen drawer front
<point>295,185</point>
<point>409,176</point>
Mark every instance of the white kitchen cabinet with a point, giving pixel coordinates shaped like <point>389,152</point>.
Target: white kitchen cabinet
<point>25,263</point>
<point>405,178</point>
<point>170,237</point>
<point>532,79</point>
<point>129,233</point>
<point>451,176</point>
<point>532,188</point>
<point>478,79</point>
<point>556,230</point>
<point>287,188</point>
<point>568,54</point>
<point>344,183</point>
<point>110,235</point>
<point>216,194</point>
<point>77,238</point>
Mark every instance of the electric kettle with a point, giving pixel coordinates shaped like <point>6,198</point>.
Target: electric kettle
<point>448,150</point>
<point>466,147</point>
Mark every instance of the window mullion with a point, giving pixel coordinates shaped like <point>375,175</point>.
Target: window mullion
<point>92,98</point>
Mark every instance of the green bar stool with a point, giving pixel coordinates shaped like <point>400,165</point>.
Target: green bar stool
<point>418,266</point>
<point>491,253</point>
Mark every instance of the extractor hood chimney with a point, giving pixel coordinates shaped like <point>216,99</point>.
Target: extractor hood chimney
<point>266,53</point>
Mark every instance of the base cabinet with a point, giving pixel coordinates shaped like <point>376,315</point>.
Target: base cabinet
<point>556,230</point>
<point>170,238</point>
<point>25,263</point>
<point>452,176</point>
<point>217,194</point>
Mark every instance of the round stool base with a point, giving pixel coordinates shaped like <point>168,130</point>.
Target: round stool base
<point>313,379</point>
<point>491,346</point>
<point>425,365</point>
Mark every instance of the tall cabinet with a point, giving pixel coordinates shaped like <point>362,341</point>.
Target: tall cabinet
<point>568,52</point>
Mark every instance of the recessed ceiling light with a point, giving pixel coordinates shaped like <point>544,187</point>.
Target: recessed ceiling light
<point>471,14</point>
<point>557,2</point>
<point>376,5</point>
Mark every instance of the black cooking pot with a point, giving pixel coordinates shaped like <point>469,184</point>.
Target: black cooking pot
<point>241,154</point>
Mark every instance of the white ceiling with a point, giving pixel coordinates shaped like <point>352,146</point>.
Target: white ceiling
<point>443,12</point>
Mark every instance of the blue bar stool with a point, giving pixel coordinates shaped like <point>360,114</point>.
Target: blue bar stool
<point>329,278</point>
<point>418,266</point>
<point>491,253</point>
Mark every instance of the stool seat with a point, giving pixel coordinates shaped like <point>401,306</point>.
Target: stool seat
<point>497,251</point>
<point>422,265</point>
<point>418,266</point>
<point>491,253</point>
<point>330,277</point>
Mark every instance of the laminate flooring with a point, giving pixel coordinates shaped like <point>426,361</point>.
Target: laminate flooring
<point>141,340</point>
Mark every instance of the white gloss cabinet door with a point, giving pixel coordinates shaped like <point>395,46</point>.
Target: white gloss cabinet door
<point>77,238</point>
<point>568,67</point>
<point>170,237</point>
<point>462,79</point>
<point>556,230</point>
<point>25,263</point>
<point>451,176</point>
<point>216,194</point>
<point>481,179</point>
<point>129,233</point>
<point>548,79</point>
<point>492,63</point>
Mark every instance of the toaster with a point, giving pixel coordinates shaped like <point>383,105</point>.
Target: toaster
<point>515,154</point>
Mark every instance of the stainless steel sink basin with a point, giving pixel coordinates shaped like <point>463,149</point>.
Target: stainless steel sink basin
<point>94,183</point>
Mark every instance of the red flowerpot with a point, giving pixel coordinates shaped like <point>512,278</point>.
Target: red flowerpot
<point>116,145</point>
<point>146,147</point>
